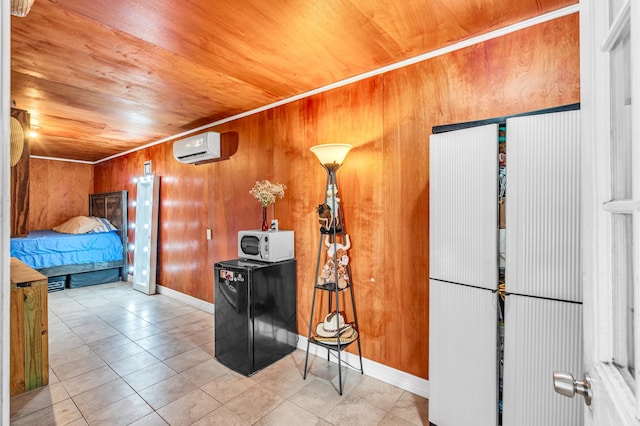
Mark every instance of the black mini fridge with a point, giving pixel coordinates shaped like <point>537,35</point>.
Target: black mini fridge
<point>255,313</point>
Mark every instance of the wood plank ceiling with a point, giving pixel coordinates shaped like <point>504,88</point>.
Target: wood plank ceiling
<point>102,77</point>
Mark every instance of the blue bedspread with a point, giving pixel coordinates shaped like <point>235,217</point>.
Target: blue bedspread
<point>46,248</point>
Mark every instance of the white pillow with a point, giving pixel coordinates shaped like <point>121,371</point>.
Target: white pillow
<point>103,225</point>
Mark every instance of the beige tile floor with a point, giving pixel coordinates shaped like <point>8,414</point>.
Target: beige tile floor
<point>119,357</point>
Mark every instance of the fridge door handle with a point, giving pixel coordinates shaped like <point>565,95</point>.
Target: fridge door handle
<point>223,291</point>
<point>564,384</point>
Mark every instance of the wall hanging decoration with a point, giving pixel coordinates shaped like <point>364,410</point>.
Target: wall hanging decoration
<point>266,193</point>
<point>17,141</point>
<point>21,7</point>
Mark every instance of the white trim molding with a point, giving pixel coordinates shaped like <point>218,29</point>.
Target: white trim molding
<point>185,298</point>
<point>392,376</point>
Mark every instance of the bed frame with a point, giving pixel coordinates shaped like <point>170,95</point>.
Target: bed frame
<point>112,206</point>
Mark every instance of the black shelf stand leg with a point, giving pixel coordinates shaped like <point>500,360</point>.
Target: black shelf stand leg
<point>313,306</point>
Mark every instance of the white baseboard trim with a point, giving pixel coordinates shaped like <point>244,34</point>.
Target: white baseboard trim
<point>189,300</point>
<point>406,381</point>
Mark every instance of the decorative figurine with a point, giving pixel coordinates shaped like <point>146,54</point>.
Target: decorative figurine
<point>327,275</point>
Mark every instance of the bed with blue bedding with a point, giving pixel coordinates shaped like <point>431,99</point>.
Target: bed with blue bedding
<point>86,258</point>
<point>47,248</point>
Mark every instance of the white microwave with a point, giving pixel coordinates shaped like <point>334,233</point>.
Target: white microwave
<point>265,246</point>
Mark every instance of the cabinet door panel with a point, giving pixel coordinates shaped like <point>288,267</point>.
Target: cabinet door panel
<point>541,336</point>
<point>463,206</point>
<point>543,206</point>
<point>462,355</point>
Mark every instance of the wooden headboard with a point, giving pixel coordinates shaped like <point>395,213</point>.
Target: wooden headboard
<point>113,207</point>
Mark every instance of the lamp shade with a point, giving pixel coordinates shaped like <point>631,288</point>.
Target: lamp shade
<point>331,155</point>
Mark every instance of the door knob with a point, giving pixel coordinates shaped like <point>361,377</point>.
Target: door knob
<point>564,384</point>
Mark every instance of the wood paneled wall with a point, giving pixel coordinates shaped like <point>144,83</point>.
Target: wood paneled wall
<point>59,191</point>
<point>384,183</point>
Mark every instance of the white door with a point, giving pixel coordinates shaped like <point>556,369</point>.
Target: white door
<point>5,290</point>
<point>610,77</point>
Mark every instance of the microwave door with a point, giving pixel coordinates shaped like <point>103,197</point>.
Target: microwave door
<point>250,245</point>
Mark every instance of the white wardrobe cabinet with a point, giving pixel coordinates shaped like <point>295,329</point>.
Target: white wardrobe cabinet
<point>493,349</point>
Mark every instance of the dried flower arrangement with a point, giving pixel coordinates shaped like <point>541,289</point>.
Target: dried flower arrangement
<point>266,192</point>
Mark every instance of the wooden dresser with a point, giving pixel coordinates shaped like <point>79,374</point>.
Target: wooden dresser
<point>29,329</point>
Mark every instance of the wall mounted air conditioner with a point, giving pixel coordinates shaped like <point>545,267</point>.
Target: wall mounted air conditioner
<point>197,148</point>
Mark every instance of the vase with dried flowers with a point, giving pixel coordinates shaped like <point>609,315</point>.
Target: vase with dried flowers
<point>266,193</point>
